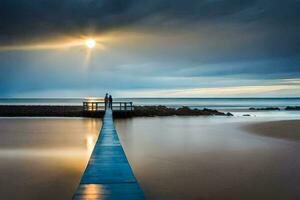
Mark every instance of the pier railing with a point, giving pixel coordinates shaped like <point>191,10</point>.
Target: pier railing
<point>100,106</point>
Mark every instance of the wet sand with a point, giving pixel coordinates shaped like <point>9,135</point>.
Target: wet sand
<point>209,158</point>
<point>288,129</point>
<point>176,158</point>
<point>44,158</point>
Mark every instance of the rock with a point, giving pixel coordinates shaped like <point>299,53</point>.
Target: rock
<point>266,108</point>
<point>148,111</point>
<point>40,111</point>
<point>229,114</point>
<point>292,108</point>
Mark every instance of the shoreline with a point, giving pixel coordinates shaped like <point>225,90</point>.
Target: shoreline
<point>139,111</point>
<point>77,111</point>
<point>283,129</point>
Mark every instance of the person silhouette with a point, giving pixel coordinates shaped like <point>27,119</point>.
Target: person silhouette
<point>110,99</point>
<point>106,100</point>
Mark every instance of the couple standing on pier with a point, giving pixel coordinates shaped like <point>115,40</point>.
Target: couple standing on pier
<point>108,101</point>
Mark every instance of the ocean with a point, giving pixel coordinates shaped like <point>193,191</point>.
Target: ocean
<point>214,103</point>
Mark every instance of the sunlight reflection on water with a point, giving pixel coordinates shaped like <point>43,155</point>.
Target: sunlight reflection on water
<point>47,154</point>
<point>90,143</point>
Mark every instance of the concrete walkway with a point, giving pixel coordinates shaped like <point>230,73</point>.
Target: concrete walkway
<point>108,174</point>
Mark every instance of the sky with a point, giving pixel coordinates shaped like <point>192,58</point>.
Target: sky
<point>150,48</point>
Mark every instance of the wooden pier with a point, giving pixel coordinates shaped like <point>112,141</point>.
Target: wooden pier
<point>95,108</point>
<point>117,106</point>
<point>108,175</point>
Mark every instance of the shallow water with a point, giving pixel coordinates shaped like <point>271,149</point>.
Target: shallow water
<point>172,157</point>
<point>44,158</point>
<point>209,158</point>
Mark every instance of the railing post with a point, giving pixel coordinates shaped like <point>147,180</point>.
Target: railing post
<point>98,106</point>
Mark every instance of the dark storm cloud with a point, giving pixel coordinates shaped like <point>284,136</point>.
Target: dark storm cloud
<point>170,43</point>
<point>277,22</point>
<point>26,20</point>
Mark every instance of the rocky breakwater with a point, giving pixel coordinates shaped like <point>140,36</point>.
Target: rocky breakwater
<point>151,111</point>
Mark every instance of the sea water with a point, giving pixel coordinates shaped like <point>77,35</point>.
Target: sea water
<point>220,103</point>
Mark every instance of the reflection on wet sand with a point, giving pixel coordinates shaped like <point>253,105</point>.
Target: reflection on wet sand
<point>172,158</point>
<point>44,158</point>
<point>209,158</point>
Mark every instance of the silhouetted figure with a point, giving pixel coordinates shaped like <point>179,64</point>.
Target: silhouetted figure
<point>106,100</point>
<point>110,101</point>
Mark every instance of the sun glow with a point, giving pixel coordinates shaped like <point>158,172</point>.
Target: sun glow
<point>90,143</point>
<point>90,43</point>
<point>63,43</point>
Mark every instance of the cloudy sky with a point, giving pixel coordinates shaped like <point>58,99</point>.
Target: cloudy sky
<point>150,48</point>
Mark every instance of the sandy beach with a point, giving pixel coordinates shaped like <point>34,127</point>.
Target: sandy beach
<point>286,129</point>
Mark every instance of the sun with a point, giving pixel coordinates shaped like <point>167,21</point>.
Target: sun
<point>90,43</point>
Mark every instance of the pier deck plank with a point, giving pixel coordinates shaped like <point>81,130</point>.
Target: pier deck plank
<point>108,175</point>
